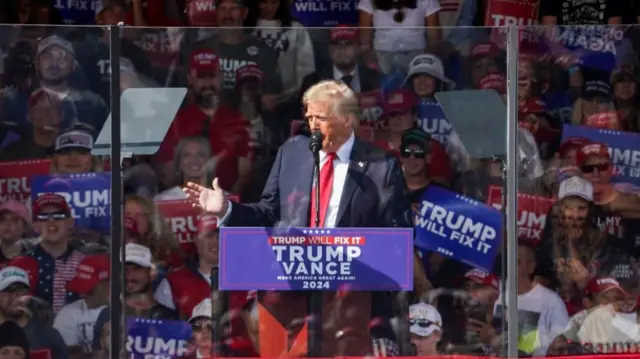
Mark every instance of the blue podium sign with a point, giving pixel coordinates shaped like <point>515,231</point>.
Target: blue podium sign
<point>319,259</point>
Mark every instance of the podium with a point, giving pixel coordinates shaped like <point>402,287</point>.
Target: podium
<point>312,260</point>
<point>316,259</point>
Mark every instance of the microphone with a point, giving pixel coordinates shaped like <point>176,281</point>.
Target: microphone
<point>315,142</point>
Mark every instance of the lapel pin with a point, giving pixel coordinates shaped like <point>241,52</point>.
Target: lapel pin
<point>360,164</point>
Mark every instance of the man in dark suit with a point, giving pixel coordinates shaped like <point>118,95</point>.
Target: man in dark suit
<point>344,50</point>
<point>361,186</point>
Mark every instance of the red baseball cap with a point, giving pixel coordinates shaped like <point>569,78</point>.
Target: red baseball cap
<point>494,81</point>
<point>43,94</point>
<point>343,32</point>
<point>92,270</point>
<point>249,71</point>
<point>50,199</point>
<point>207,224</point>
<point>399,101</point>
<point>572,143</point>
<point>603,284</point>
<point>483,278</point>
<point>608,120</point>
<point>591,149</point>
<point>533,105</point>
<point>485,49</point>
<point>204,61</point>
<point>29,265</point>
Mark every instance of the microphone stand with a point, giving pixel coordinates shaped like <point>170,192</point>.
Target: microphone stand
<point>314,342</point>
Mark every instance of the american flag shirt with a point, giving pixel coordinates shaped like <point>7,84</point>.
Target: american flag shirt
<point>53,275</point>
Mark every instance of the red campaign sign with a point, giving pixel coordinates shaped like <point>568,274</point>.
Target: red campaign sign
<point>40,354</point>
<point>501,13</point>
<point>15,178</point>
<point>532,212</point>
<point>365,133</point>
<point>183,218</point>
<point>201,12</point>
<point>160,48</point>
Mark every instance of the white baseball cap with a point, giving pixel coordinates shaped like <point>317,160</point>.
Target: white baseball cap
<point>10,275</point>
<point>138,254</point>
<point>202,310</point>
<point>431,65</point>
<point>424,319</point>
<point>74,139</point>
<point>54,40</point>
<point>576,186</point>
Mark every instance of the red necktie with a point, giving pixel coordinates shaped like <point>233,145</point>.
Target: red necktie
<point>326,183</point>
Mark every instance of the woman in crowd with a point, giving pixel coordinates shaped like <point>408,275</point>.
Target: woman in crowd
<point>573,250</point>
<point>392,31</point>
<point>595,97</point>
<point>625,97</point>
<point>273,23</point>
<point>73,153</point>
<point>154,231</point>
<point>190,157</point>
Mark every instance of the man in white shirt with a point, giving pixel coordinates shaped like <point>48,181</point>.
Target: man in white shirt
<point>75,321</point>
<point>542,314</point>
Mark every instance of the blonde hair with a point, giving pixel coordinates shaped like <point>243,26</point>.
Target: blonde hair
<point>345,100</point>
<point>577,114</point>
<point>159,238</point>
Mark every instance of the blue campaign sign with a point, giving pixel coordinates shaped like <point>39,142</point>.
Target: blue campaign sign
<point>321,259</point>
<point>458,227</point>
<point>433,121</point>
<point>624,150</point>
<point>318,13</point>
<point>88,195</point>
<point>158,339</point>
<point>77,12</point>
<point>591,46</point>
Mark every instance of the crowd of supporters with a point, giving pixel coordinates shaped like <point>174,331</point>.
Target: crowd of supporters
<point>246,65</point>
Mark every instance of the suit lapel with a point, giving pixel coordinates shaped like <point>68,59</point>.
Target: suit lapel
<point>357,167</point>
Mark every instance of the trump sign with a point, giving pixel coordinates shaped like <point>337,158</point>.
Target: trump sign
<point>316,258</point>
<point>458,227</point>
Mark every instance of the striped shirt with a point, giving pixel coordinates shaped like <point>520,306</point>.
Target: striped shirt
<point>53,275</point>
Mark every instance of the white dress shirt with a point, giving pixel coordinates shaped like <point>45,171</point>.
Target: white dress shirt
<point>340,170</point>
<point>355,81</point>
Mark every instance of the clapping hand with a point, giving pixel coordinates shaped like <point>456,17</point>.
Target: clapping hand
<point>212,200</point>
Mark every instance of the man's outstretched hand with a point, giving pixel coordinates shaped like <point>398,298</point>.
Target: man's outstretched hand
<point>212,200</point>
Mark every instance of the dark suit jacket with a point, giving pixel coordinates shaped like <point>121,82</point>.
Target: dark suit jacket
<point>374,195</point>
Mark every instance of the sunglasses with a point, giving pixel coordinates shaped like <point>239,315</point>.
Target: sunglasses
<point>16,289</point>
<point>56,216</point>
<point>421,323</point>
<point>407,153</point>
<point>198,327</point>
<point>601,167</point>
